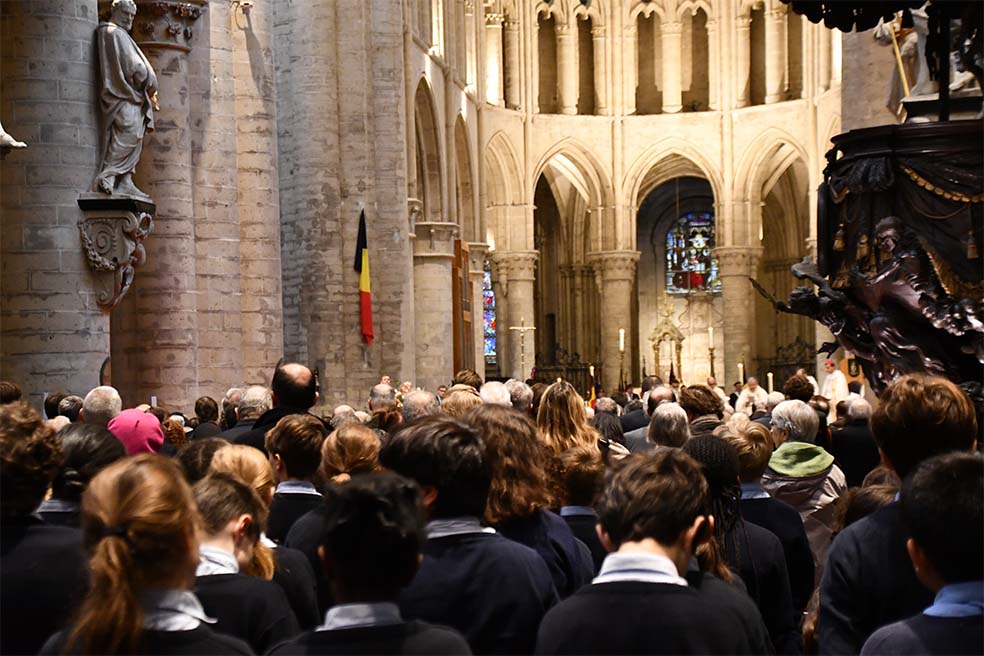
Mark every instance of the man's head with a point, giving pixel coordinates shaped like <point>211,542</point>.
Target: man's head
<point>232,397</point>
<point>9,392</point>
<point>446,457</point>
<point>373,531</point>
<point>941,505</point>
<point>798,388</point>
<point>753,383</point>
<point>419,403</point>
<point>920,417</point>
<point>294,446</point>
<point>829,366</point>
<point>520,395</point>
<point>30,456</point>
<point>467,377</point>
<point>754,446</point>
<point>699,401</point>
<point>854,387</point>
<point>650,382</point>
<point>661,497</point>
<point>71,407</point>
<point>606,404</point>
<point>583,475</point>
<point>382,397</point>
<point>233,515</point>
<point>206,409</point>
<point>712,382</point>
<point>738,387</point>
<point>123,13</point>
<point>658,395</point>
<point>495,393</point>
<point>254,402</point>
<point>774,399</point>
<point>441,391</point>
<point>51,404</point>
<point>101,405</point>
<point>669,425</point>
<point>294,386</point>
<point>794,421</point>
<point>385,380</point>
<point>859,410</point>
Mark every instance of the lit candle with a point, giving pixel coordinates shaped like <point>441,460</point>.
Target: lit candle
<point>769,375</point>
<point>710,334</point>
<point>741,373</point>
<point>621,340</point>
<point>591,370</point>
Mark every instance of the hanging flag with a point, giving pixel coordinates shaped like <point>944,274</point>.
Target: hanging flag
<point>362,268</point>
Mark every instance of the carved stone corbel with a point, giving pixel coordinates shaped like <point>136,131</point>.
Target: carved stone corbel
<point>112,231</point>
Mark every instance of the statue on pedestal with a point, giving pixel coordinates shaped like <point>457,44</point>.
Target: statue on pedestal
<point>7,142</point>
<point>127,99</point>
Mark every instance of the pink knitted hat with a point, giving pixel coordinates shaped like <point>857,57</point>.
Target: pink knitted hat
<point>140,432</point>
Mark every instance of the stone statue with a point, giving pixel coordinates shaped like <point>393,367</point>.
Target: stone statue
<point>127,98</point>
<point>7,141</point>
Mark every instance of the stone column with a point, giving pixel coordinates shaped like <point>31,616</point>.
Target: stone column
<point>714,64</point>
<point>155,351</point>
<point>775,54</point>
<point>735,265</point>
<point>822,39</point>
<point>517,274</point>
<point>671,36</point>
<point>53,335</point>
<point>617,270</point>
<point>743,59</point>
<point>477,253</point>
<point>433,254</point>
<point>630,69</point>
<point>567,67</point>
<point>511,45</point>
<point>600,43</point>
<point>493,58</point>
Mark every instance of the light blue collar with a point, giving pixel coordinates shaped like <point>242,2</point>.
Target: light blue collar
<point>58,506</point>
<point>577,511</point>
<point>172,610</point>
<point>213,561</point>
<point>349,616</point>
<point>753,491</point>
<point>958,600</point>
<point>442,528</point>
<point>640,567</point>
<point>296,487</point>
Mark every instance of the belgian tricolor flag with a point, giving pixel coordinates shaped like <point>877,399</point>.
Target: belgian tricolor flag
<point>362,268</point>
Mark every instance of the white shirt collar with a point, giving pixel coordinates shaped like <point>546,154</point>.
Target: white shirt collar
<point>348,616</point>
<point>172,610</point>
<point>639,567</point>
<point>442,528</point>
<point>213,561</point>
<point>296,487</point>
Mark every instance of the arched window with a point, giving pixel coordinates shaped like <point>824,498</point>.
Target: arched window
<point>689,263</point>
<point>488,313</point>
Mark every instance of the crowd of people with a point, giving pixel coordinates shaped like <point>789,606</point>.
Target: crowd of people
<point>494,517</point>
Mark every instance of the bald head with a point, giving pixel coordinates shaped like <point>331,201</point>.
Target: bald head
<point>294,387</point>
<point>419,403</point>
<point>382,397</point>
<point>657,395</point>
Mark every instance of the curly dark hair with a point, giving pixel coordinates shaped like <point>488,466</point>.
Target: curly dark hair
<point>699,400</point>
<point>798,388</point>
<point>30,456</point>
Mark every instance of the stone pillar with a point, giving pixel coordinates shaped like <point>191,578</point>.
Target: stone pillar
<point>155,352</point>
<point>567,80</point>
<point>476,267</point>
<point>433,254</point>
<point>671,36</point>
<point>714,64</point>
<point>743,59</point>
<point>735,265</point>
<point>493,58</point>
<point>822,39</point>
<point>53,335</point>
<point>775,54</point>
<point>600,43</point>
<point>617,271</point>
<point>511,44</point>
<point>517,274</point>
<point>630,69</point>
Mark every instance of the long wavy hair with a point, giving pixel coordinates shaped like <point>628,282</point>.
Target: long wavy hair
<point>561,420</point>
<point>138,523</point>
<point>350,449</point>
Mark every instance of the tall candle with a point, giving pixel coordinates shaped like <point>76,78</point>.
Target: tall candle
<point>710,335</point>
<point>621,340</point>
<point>769,375</point>
<point>741,373</point>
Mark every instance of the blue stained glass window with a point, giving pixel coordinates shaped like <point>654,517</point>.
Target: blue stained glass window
<point>488,311</point>
<point>690,265</point>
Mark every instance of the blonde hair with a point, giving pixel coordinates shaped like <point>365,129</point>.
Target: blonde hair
<point>561,421</point>
<point>350,449</point>
<point>460,399</point>
<point>753,443</point>
<point>249,466</point>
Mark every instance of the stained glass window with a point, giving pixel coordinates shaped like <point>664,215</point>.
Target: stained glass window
<point>488,312</point>
<point>689,263</point>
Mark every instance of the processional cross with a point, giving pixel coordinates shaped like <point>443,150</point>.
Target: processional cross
<point>523,329</point>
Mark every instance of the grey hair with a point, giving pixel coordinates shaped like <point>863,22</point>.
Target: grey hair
<point>101,404</point>
<point>775,398</point>
<point>495,393</point>
<point>606,404</point>
<point>520,394</point>
<point>70,407</point>
<point>669,425</point>
<point>420,403</point>
<point>381,397</point>
<point>255,401</point>
<point>118,4</point>
<point>798,419</point>
<point>859,409</point>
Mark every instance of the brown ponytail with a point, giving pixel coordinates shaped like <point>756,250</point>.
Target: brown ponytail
<point>138,521</point>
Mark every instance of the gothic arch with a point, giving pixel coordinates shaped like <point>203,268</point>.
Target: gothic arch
<point>430,180</point>
<point>468,221</point>
<point>693,5</point>
<point>503,188</point>
<point>665,160</point>
<point>765,160</point>
<point>647,9</point>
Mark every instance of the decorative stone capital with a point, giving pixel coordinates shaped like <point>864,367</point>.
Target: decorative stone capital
<point>564,29</point>
<point>493,19</point>
<point>615,265</point>
<point>515,265</point>
<point>167,24</point>
<point>112,230</point>
<point>415,212</point>
<point>598,32</point>
<point>671,27</point>
<point>435,239</point>
<point>743,23</point>
<point>477,251</point>
<point>511,24</point>
<point>737,260</point>
<point>777,12</point>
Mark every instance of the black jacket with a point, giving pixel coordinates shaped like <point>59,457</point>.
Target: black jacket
<point>287,508</point>
<point>407,638</point>
<point>855,451</point>
<point>256,436</point>
<point>295,575</point>
<point>785,523</point>
<point>247,608</point>
<point>633,420</point>
<point>243,426</point>
<point>201,640</point>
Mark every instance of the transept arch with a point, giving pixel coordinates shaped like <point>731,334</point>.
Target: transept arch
<point>469,222</point>
<point>503,196</point>
<point>429,167</point>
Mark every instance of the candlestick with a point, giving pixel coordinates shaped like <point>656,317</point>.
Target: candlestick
<point>769,376</point>
<point>621,340</point>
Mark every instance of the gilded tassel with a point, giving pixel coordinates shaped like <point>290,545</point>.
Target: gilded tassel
<point>862,252</point>
<point>839,238</point>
